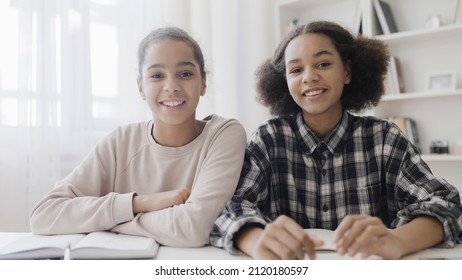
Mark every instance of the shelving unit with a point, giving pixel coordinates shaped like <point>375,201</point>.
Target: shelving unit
<point>421,50</point>
<point>422,95</point>
<point>345,12</point>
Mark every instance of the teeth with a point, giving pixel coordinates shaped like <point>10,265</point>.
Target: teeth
<point>173,103</point>
<point>313,92</point>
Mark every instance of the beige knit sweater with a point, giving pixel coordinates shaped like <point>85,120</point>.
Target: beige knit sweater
<point>98,193</point>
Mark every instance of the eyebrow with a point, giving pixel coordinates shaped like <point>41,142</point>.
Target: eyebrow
<point>315,55</point>
<point>179,64</point>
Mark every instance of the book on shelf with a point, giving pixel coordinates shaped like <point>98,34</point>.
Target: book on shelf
<point>385,17</point>
<point>357,24</point>
<point>408,127</point>
<point>395,81</point>
<point>94,245</point>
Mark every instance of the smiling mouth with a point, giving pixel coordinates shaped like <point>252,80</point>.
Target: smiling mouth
<point>173,103</point>
<point>311,93</point>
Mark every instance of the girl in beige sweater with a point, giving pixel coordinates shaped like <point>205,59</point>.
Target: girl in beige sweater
<point>168,178</point>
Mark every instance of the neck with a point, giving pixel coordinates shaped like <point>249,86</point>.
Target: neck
<point>323,124</point>
<point>176,135</point>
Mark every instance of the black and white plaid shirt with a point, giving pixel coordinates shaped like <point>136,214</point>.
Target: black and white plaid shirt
<point>365,166</point>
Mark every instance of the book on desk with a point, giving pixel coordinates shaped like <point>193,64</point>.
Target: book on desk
<point>95,245</point>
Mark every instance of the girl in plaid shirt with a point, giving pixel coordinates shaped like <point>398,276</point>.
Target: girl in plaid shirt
<point>316,165</point>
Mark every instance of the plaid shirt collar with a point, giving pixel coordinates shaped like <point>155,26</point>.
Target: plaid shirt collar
<point>334,142</point>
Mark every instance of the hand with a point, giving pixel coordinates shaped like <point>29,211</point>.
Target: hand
<point>369,236</point>
<point>281,239</point>
<point>161,200</point>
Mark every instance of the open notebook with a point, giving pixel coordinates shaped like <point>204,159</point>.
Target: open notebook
<point>95,245</point>
<point>328,250</point>
<point>325,235</point>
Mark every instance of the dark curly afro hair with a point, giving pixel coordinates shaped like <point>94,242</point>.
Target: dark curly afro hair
<point>369,59</point>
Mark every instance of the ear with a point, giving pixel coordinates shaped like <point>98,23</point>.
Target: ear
<point>204,86</point>
<point>140,89</point>
<point>348,72</point>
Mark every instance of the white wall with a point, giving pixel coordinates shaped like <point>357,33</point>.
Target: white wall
<point>235,35</point>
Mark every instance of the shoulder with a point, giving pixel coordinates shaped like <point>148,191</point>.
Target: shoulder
<point>274,132</point>
<point>374,124</point>
<point>275,126</point>
<point>223,134</point>
<point>132,134</point>
<point>217,125</point>
<point>379,131</point>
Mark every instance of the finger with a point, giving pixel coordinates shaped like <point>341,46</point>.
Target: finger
<point>344,226</point>
<point>344,229</point>
<point>372,240</point>
<point>309,247</point>
<point>277,241</point>
<point>284,250</point>
<point>316,242</point>
<point>303,243</point>
<point>356,226</point>
<point>365,232</point>
<point>293,236</point>
<point>304,240</point>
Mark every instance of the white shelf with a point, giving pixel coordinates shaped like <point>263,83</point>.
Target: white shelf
<point>422,34</point>
<point>442,158</point>
<point>419,95</point>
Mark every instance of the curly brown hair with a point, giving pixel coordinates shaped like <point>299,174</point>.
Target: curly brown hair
<point>369,59</point>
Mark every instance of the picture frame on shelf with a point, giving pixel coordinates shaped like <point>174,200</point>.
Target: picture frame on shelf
<point>440,81</point>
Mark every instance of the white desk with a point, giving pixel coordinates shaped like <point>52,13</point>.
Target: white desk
<point>213,253</point>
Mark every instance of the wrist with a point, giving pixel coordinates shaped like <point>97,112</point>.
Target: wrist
<point>246,238</point>
<point>402,247</point>
<point>136,204</point>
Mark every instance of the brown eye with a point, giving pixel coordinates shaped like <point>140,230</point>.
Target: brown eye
<point>294,71</point>
<point>323,65</point>
<point>156,76</point>
<point>185,74</point>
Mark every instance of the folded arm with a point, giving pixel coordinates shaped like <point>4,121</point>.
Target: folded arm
<point>189,224</point>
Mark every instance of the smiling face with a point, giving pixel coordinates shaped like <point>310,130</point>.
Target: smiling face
<point>171,82</point>
<point>316,76</point>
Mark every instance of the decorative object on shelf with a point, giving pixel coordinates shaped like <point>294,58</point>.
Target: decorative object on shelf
<point>385,17</point>
<point>458,147</point>
<point>292,25</point>
<point>441,81</point>
<point>439,147</point>
<point>433,21</point>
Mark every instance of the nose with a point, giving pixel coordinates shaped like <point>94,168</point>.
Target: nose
<point>171,85</point>
<point>310,75</point>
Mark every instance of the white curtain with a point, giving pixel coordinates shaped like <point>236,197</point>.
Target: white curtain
<point>68,77</point>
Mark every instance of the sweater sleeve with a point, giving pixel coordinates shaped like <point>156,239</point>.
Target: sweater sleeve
<point>189,224</point>
<point>84,201</point>
<point>250,197</point>
<point>419,192</point>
